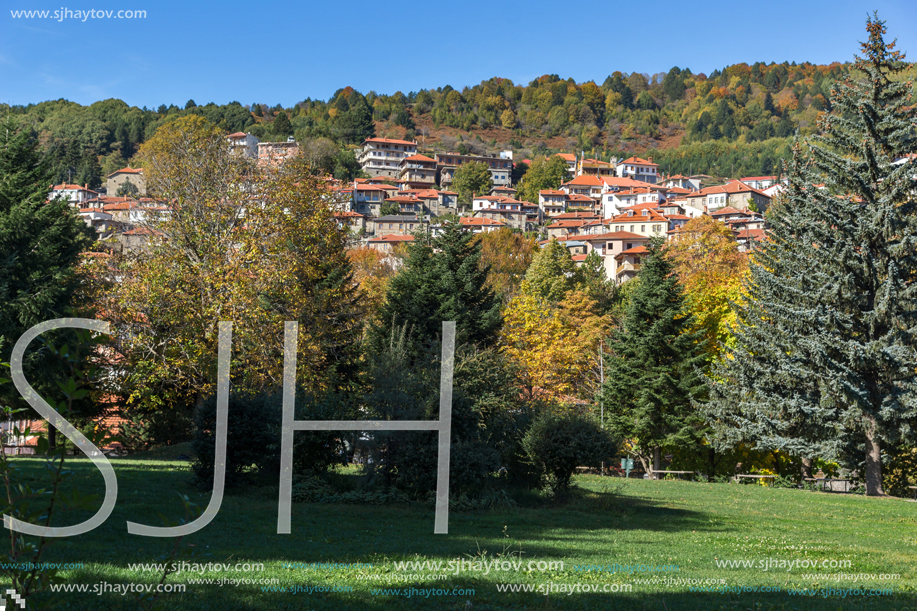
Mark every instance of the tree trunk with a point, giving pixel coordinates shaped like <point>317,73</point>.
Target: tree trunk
<point>711,462</point>
<point>806,468</point>
<point>657,462</point>
<point>52,437</point>
<point>873,460</point>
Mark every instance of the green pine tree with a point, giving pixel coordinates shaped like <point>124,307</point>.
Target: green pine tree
<point>442,280</point>
<point>825,364</point>
<point>651,369</point>
<point>40,244</point>
<point>281,127</point>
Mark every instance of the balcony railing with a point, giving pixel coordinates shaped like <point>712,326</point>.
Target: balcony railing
<point>627,266</point>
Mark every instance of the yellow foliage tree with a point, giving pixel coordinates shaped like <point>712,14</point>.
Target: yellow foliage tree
<point>706,258</point>
<point>234,242</point>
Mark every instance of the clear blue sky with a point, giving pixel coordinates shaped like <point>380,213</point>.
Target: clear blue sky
<point>274,53</point>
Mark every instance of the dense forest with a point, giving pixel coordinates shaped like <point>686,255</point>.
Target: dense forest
<point>736,121</point>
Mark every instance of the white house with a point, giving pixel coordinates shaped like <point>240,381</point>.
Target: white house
<point>636,168</point>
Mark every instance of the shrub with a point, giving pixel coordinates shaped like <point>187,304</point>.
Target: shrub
<point>253,437</point>
<point>557,443</point>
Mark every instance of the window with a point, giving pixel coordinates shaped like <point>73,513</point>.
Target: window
<point>642,228</point>
<point>656,228</point>
<point>631,230</point>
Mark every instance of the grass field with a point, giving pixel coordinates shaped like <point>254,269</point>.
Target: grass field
<point>684,526</point>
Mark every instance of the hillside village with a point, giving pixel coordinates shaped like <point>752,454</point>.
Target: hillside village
<point>612,208</point>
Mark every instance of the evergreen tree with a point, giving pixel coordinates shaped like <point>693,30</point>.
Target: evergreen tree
<point>441,280</point>
<point>40,244</point>
<point>651,368</point>
<point>282,126</point>
<point>825,363</point>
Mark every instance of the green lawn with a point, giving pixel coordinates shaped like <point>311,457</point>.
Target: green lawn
<point>688,525</point>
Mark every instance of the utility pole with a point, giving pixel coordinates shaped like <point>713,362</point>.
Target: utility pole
<point>601,384</point>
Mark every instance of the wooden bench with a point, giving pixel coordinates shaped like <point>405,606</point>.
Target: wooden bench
<point>676,473</point>
<point>739,478</point>
<point>829,481</point>
<point>914,488</point>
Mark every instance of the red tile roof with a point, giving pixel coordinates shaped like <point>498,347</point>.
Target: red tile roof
<point>480,222</point>
<point>127,170</point>
<point>585,180</point>
<point>419,158</point>
<point>389,141</point>
<point>551,192</point>
<point>637,161</point>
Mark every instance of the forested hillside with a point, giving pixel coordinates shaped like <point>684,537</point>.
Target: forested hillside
<point>738,120</point>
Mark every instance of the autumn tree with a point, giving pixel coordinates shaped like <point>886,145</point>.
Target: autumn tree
<point>507,256</point>
<point>553,326</point>
<point>255,246</point>
<point>705,256</point>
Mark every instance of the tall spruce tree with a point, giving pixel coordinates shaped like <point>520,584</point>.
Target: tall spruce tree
<point>40,243</point>
<point>651,369</point>
<point>441,280</point>
<point>825,363</point>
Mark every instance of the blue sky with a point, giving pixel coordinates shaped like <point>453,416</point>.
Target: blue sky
<point>274,53</point>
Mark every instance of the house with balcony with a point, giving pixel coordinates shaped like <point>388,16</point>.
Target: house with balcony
<point>367,199</point>
<point>383,156</point>
<point>596,167</point>
<point>552,202</point>
<point>417,172</point>
<point>585,184</point>
<point>643,170</point>
<point>627,263</point>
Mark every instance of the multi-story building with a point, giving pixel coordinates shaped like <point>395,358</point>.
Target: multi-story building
<point>501,170</point>
<point>736,194</point>
<point>383,156</point>
<point>645,222</point>
<point>552,202</point>
<point>243,145</point>
<point>636,168</point>
<point>417,172</point>
<point>396,225</point>
<point>596,167</point>
<point>75,195</point>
